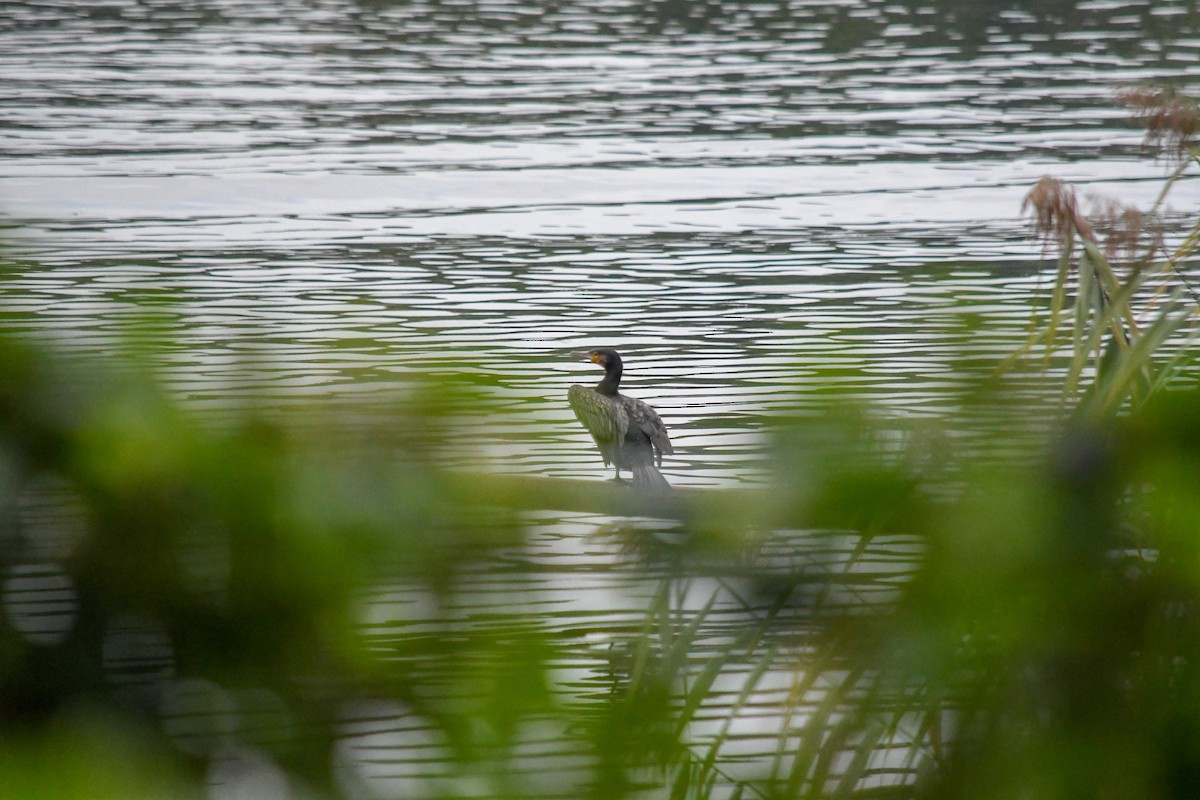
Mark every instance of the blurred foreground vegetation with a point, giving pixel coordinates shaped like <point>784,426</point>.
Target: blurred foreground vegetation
<point>182,601</point>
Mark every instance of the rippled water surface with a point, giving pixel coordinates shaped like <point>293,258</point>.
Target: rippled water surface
<point>325,197</point>
<point>756,202</point>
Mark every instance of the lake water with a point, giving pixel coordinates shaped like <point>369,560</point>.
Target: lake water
<point>757,202</point>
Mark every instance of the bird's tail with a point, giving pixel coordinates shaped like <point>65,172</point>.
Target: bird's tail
<point>647,476</point>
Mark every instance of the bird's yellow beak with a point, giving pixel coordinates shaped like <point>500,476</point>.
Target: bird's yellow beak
<point>595,357</point>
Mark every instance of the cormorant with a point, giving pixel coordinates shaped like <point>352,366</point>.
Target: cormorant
<point>628,432</point>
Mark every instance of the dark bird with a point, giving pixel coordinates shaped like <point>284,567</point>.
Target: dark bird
<point>628,432</point>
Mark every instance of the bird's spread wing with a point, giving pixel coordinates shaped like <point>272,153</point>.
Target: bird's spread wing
<point>604,417</point>
<point>648,422</point>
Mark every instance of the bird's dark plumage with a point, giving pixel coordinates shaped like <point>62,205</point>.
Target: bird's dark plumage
<point>628,432</point>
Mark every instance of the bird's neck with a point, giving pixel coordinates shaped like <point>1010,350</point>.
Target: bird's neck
<point>612,379</point>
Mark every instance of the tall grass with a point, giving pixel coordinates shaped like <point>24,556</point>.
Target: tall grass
<point>1046,645</point>
<point>1132,293</point>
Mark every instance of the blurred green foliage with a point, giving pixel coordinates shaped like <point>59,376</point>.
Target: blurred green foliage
<point>141,547</point>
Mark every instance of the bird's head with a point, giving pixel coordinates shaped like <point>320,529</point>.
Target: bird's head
<point>603,356</point>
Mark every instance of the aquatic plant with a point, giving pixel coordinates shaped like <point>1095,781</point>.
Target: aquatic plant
<point>1132,291</point>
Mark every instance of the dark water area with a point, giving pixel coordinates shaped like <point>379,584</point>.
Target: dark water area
<point>758,203</point>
